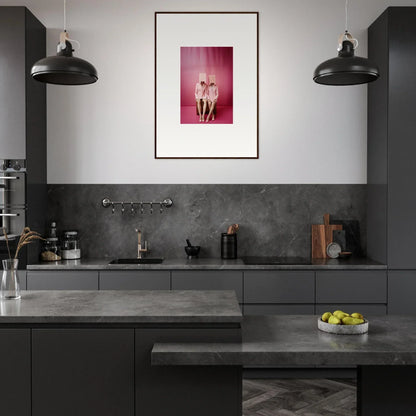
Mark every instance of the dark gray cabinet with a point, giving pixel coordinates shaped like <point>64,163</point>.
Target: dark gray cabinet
<point>82,372</point>
<point>23,114</point>
<point>402,292</point>
<point>13,85</point>
<point>260,292</point>
<point>62,280</point>
<point>177,390</point>
<point>279,292</point>
<point>279,309</point>
<point>209,280</point>
<point>279,287</point>
<point>352,287</point>
<point>22,100</point>
<point>22,279</point>
<point>391,140</point>
<point>15,382</point>
<point>367,309</point>
<point>135,280</point>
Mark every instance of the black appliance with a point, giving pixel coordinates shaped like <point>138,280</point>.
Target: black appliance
<point>14,215</point>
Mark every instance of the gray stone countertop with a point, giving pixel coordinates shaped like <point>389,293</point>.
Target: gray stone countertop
<point>112,307</point>
<point>209,264</point>
<point>295,340</point>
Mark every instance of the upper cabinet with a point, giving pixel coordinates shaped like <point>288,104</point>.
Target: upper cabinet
<point>391,139</point>
<point>22,100</point>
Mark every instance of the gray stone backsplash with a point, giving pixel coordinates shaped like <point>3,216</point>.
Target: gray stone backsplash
<point>274,220</point>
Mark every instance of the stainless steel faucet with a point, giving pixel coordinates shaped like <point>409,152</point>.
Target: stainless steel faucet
<point>140,250</point>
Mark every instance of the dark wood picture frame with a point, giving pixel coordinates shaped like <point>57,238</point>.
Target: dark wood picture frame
<point>256,156</point>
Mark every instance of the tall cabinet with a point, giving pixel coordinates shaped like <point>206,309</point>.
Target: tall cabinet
<point>23,118</point>
<point>391,221</point>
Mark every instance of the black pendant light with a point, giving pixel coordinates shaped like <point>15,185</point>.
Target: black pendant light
<point>346,68</point>
<point>64,68</point>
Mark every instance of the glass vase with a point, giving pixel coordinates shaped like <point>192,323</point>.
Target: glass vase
<point>10,288</point>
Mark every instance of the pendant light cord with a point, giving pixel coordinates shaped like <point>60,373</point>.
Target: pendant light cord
<point>64,15</point>
<point>346,35</point>
<point>346,15</point>
<point>65,37</point>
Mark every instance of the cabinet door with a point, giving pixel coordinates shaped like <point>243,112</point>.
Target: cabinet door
<point>279,287</point>
<point>367,309</point>
<point>135,280</point>
<point>401,208</point>
<point>62,280</point>
<point>82,372</point>
<point>279,309</point>
<point>209,280</point>
<point>12,83</point>
<point>402,292</point>
<point>351,287</point>
<point>15,372</point>
<point>186,390</point>
<point>22,279</point>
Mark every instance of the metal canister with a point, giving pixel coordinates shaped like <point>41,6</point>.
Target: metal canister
<point>228,246</point>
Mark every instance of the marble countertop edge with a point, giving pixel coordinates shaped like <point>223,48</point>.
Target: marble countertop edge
<point>208,264</point>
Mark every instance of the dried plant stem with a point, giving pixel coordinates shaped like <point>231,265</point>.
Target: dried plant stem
<point>26,237</point>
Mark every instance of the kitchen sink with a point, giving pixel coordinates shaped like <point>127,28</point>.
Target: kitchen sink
<point>148,260</point>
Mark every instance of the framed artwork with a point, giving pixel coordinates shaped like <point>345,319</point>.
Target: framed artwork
<point>206,85</point>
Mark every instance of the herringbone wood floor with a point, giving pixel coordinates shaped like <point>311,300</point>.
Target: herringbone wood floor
<point>293,397</point>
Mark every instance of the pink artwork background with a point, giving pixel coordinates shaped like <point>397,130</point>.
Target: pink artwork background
<point>215,60</point>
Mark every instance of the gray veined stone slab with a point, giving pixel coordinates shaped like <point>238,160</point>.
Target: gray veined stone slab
<point>295,340</point>
<point>274,219</point>
<point>208,264</point>
<point>117,306</point>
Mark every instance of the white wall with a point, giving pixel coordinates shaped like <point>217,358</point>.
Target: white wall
<point>104,133</point>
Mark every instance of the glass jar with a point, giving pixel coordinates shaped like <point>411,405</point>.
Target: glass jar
<point>70,241</point>
<point>70,249</point>
<point>50,250</point>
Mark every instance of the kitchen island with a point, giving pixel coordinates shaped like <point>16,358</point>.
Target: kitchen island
<point>89,353</point>
<point>385,357</point>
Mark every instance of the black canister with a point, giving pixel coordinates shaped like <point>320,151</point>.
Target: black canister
<point>228,246</point>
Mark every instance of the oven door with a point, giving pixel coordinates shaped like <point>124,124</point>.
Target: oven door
<point>13,220</point>
<point>12,189</point>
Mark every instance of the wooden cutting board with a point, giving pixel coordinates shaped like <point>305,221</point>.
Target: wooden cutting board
<point>322,236</point>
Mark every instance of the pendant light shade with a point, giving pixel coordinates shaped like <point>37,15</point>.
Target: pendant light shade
<point>346,68</point>
<point>64,69</point>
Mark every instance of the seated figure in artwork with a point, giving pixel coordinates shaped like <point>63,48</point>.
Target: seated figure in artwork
<point>212,96</point>
<point>201,95</point>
